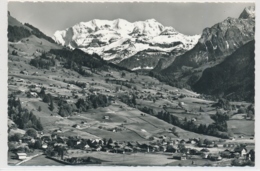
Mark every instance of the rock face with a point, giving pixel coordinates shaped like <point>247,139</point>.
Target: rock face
<point>248,12</point>
<point>119,39</point>
<point>218,41</point>
<point>233,78</point>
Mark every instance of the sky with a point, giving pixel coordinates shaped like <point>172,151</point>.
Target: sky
<point>187,18</point>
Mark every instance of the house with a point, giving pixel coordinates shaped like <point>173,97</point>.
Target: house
<point>215,157</point>
<point>34,94</point>
<point>241,150</point>
<point>83,122</point>
<point>162,148</point>
<point>204,150</point>
<point>98,148</point>
<point>27,139</point>
<point>128,149</point>
<point>106,117</point>
<point>24,72</point>
<point>204,155</point>
<point>46,138</point>
<point>21,156</point>
<point>180,156</point>
<point>170,148</point>
<point>20,80</point>
<point>194,152</point>
<point>232,138</point>
<point>191,141</point>
<point>226,154</point>
<point>193,119</point>
<point>76,126</point>
<point>44,146</point>
<point>182,141</point>
<point>175,142</point>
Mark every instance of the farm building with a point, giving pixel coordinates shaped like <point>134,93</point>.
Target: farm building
<point>21,156</point>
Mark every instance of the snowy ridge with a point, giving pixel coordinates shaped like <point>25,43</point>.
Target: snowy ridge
<point>119,39</point>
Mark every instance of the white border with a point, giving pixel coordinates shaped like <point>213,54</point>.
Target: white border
<point>3,95</point>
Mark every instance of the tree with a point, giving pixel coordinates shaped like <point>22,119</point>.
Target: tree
<point>11,146</point>
<point>122,74</point>
<point>110,141</point>
<point>31,132</point>
<point>38,144</point>
<point>16,137</point>
<point>51,106</point>
<point>182,148</point>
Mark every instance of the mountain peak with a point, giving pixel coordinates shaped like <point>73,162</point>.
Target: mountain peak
<point>248,12</point>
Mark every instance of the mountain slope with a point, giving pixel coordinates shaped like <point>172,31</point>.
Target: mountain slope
<point>216,42</point>
<point>234,77</point>
<point>119,39</point>
<point>18,31</point>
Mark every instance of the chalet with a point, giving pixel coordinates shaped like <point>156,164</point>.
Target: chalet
<point>232,138</point>
<point>180,156</point>
<point>46,138</point>
<point>204,150</point>
<point>204,155</point>
<point>27,139</point>
<point>193,119</point>
<point>98,148</point>
<point>215,157</point>
<point>182,141</point>
<point>76,126</point>
<point>241,150</point>
<point>35,73</point>
<point>226,154</point>
<point>170,148</point>
<point>111,146</point>
<point>83,122</point>
<point>156,148</point>
<point>131,144</point>
<point>24,72</point>
<point>195,152</point>
<point>128,149</point>
<point>34,94</point>
<point>162,148</point>
<point>106,117</point>
<point>44,146</point>
<point>175,142</point>
<point>21,156</point>
<point>191,141</point>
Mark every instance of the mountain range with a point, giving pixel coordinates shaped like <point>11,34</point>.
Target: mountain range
<point>180,60</point>
<point>138,45</point>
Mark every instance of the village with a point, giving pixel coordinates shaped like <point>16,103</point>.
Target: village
<point>72,150</point>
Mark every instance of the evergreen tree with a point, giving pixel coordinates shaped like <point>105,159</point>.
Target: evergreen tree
<point>51,105</point>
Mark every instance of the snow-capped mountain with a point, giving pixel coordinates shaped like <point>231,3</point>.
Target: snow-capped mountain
<point>119,39</point>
